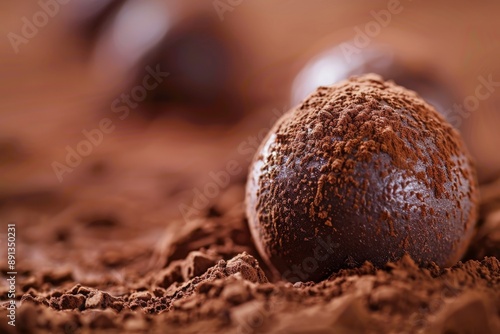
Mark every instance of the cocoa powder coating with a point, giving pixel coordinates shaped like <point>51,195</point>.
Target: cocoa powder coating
<point>363,170</point>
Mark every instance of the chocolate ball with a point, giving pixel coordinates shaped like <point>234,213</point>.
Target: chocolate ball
<point>363,170</point>
<point>202,62</point>
<point>200,55</point>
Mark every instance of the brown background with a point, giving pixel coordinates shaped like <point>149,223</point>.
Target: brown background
<point>48,95</point>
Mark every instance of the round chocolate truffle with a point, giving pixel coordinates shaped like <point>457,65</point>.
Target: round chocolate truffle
<point>363,170</point>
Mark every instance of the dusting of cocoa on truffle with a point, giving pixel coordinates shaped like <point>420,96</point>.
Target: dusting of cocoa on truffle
<point>364,170</point>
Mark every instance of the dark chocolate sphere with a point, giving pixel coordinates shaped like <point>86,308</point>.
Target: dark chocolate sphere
<point>363,170</point>
<point>132,39</point>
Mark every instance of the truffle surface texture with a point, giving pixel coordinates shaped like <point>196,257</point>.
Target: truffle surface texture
<point>363,170</point>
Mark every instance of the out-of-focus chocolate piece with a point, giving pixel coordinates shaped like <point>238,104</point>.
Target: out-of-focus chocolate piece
<point>202,62</point>
<point>363,170</point>
<point>134,30</point>
<point>88,17</point>
<point>200,55</point>
<point>335,64</point>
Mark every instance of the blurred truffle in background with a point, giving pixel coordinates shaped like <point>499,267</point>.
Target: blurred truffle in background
<point>202,59</point>
<point>87,18</point>
<point>392,58</point>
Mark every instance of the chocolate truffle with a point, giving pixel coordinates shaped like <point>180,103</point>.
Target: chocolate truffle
<point>363,170</point>
<point>201,60</point>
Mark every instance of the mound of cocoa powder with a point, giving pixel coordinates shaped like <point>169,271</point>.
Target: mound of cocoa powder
<point>205,276</point>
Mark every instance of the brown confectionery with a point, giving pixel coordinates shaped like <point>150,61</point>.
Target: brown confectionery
<point>209,91</point>
<point>363,170</point>
<point>191,47</point>
<point>419,75</point>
